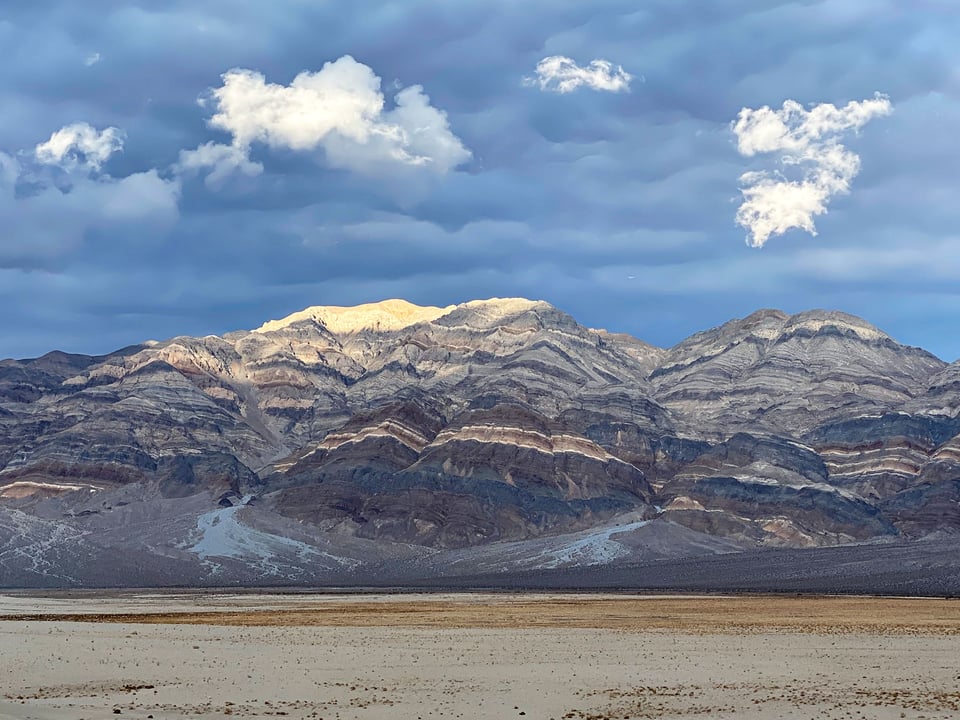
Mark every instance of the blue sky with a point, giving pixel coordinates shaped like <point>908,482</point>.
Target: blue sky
<point>194,167</point>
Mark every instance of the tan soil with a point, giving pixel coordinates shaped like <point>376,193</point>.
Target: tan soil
<point>685,614</point>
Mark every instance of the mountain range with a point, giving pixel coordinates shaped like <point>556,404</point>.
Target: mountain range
<point>392,443</point>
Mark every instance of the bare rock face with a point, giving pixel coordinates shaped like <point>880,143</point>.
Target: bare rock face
<point>774,491</point>
<point>941,394</point>
<point>391,425</point>
<point>789,374</point>
<point>490,474</point>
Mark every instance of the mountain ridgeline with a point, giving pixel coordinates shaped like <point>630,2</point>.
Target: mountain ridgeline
<point>496,434</point>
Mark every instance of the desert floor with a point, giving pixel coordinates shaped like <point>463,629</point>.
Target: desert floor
<point>202,655</point>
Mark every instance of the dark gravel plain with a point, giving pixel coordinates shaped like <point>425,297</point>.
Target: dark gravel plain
<point>928,568</point>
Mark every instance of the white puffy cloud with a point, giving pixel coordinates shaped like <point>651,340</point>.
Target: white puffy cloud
<point>561,74</point>
<point>339,109</point>
<point>80,146</point>
<point>808,143</point>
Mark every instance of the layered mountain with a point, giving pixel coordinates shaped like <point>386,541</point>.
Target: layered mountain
<point>496,433</point>
<point>789,374</point>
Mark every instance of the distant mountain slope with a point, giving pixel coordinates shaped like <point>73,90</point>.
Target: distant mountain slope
<point>789,374</point>
<point>393,429</point>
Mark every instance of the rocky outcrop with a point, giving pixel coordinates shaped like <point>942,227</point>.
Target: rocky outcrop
<point>491,474</point>
<point>770,490</point>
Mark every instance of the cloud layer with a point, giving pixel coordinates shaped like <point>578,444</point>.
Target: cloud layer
<point>339,109</point>
<point>807,144</point>
<point>49,220</point>
<point>562,75</point>
<point>565,196</point>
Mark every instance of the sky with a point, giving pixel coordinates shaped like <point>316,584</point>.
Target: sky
<point>191,167</point>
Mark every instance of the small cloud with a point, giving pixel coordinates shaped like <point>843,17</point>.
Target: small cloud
<point>223,161</point>
<point>339,109</point>
<point>562,75</point>
<point>92,60</point>
<point>809,142</point>
<point>80,146</point>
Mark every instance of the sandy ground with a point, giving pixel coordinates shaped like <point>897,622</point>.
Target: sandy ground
<point>478,657</point>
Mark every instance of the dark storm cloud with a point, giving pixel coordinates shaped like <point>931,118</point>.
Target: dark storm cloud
<point>616,207</point>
